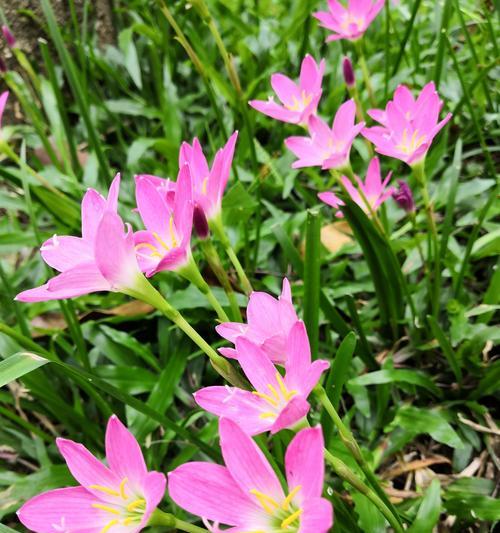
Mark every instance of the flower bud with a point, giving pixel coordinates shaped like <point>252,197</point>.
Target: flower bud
<point>3,66</point>
<point>9,37</point>
<point>404,197</point>
<point>349,77</point>
<point>200,222</point>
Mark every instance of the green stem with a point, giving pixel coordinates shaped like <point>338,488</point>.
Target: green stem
<point>427,274</point>
<point>192,273</point>
<point>419,173</point>
<point>217,227</point>
<point>360,113</point>
<point>214,260</point>
<point>160,518</point>
<point>345,473</point>
<point>353,447</point>
<point>366,73</point>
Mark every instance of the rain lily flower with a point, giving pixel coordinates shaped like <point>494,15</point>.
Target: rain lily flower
<point>278,402</point>
<point>102,259</point>
<point>166,187</point>
<point>269,323</point>
<point>408,125</point>
<point>300,101</point>
<point>349,22</point>
<point>3,102</point>
<point>327,148</point>
<point>247,494</point>
<point>404,197</point>
<point>374,189</point>
<point>165,244</point>
<point>208,184</point>
<point>119,497</point>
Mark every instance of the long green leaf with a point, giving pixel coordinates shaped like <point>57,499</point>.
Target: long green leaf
<point>18,365</point>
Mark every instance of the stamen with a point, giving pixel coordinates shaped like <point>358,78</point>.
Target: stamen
<point>172,232</point>
<point>286,393</point>
<point>266,397</point>
<point>109,525</point>
<point>274,392</point>
<point>106,508</point>
<point>101,488</point>
<point>291,519</point>
<point>265,500</point>
<point>122,488</point>
<point>151,247</point>
<point>161,241</point>
<point>290,497</point>
<point>268,414</point>
<point>137,503</point>
<point>129,520</point>
<point>204,186</point>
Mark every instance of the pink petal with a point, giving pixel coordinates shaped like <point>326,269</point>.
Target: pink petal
<point>228,152</point>
<point>82,279</point>
<point>240,406</point>
<point>285,88</point>
<point>330,199</point>
<point>153,490</point>
<point>373,181</point>
<point>246,462</point>
<point>70,509</point>
<point>344,120</point>
<point>123,453</point>
<point>183,204</point>
<point>152,206</point>
<point>298,354</point>
<point>274,110</point>
<point>173,260</point>
<point>294,411</point>
<point>114,191</point>
<point>198,164</point>
<point>263,313</point>
<point>93,207</point>
<point>310,75</point>
<point>148,251</point>
<point>304,464</point>
<point>63,253</point>
<point>378,115</point>
<point>3,101</point>
<point>231,330</point>
<point>209,491</point>
<point>286,292</point>
<point>317,516</point>
<point>255,364</point>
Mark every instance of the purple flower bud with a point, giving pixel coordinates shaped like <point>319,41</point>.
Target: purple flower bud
<point>9,37</point>
<point>404,197</point>
<point>3,66</point>
<point>200,222</point>
<point>349,77</point>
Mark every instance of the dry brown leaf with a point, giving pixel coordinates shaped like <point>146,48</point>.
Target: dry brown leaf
<point>133,308</point>
<point>336,235</point>
<point>414,466</point>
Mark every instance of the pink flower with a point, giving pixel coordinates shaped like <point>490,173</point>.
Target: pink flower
<point>374,189</point>
<point>408,125</point>
<point>3,102</point>
<point>102,259</point>
<point>278,402</point>
<point>351,22</point>
<point>247,494</point>
<point>269,323</point>
<point>120,497</point>
<point>300,101</point>
<point>165,244</point>
<point>327,148</point>
<point>209,184</point>
<point>166,187</point>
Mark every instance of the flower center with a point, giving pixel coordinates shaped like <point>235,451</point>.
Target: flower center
<point>156,251</point>
<point>409,145</point>
<point>299,105</point>
<point>350,20</point>
<point>126,510</point>
<point>277,397</point>
<point>285,516</point>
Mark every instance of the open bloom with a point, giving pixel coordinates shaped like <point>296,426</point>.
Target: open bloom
<point>327,148</point>
<point>269,323</point>
<point>374,189</point>
<point>102,259</point>
<point>300,101</point>
<point>278,401</point>
<point>165,244</point>
<point>208,184</point>
<point>3,102</point>
<point>408,125</point>
<point>349,22</point>
<point>117,498</point>
<point>247,494</point>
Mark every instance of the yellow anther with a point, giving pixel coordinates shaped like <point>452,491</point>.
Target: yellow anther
<point>136,503</point>
<point>106,508</point>
<point>287,394</point>
<point>106,490</point>
<point>266,397</point>
<point>204,186</point>
<point>290,497</point>
<point>122,489</point>
<point>172,232</point>
<point>161,241</point>
<point>415,142</point>
<point>109,525</point>
<point>287,521</point>
<point>129,520</point>
<point>274,392</point>
<point>265,501</point>
<point>268,414</point>
<point>150,247</point>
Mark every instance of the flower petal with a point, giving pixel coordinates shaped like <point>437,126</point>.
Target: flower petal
<point>294,411</point>
<point>317,516</point>
<point>152,206</point>
<point>65,252</point>
<point>93,207</point>
<point>255,364</point>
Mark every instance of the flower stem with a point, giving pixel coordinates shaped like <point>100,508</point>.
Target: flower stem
<point>366,73</point>
<point>353,447</point>
<point>160,518</point>
<point>217,227</point>
<point>213,259</point>
<point>192,273</point>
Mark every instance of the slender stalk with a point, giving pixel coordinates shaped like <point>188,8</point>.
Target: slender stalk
<point>218,228</point>
<point>427,274</point>
<point>21,319</point>
<point>351,444</point>
<point>366,73</point>
<point>160,518</point>
<point>214,260</point>
<point>192,273</point>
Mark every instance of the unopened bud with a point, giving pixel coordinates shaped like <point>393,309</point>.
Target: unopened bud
<point>200,222</point>
<point>349,77</point>
<point>3,66</point>
<point>9,37</point>
<point>404,197</point>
